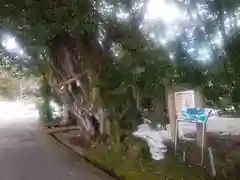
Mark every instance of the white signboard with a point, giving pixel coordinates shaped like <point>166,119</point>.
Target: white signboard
<point>184,99</point>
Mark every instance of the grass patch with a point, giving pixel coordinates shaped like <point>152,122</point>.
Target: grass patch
<point>132,161</point>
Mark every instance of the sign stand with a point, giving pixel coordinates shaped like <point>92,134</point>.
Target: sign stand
<point>203,142</point>
<point>195,121</point>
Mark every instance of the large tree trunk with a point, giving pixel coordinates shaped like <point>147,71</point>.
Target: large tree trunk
<point>67,64</point>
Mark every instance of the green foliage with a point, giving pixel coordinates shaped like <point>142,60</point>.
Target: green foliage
<point>63,39</point>
<point>142,66</point>
<point>45,109</point>
<point>9,83</point>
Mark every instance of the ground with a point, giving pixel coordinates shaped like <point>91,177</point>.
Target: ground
<point>27,154</point>
<point>216,125</point>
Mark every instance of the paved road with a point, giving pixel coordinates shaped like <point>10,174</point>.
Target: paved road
<point>26,154</point>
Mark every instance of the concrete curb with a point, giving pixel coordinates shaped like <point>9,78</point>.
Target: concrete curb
<point>80,153</point>
<point>65,143</point>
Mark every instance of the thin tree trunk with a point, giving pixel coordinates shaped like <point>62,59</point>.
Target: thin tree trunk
<point>65,118</point>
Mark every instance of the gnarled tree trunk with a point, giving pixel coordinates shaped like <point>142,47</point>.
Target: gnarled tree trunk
<point>70,72</point>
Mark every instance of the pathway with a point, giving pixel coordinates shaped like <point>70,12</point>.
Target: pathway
<point>27,154</point>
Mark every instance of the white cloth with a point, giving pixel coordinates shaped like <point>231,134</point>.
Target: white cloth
<point>155,140</point>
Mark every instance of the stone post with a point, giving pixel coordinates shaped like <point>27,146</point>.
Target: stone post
<point>199,102</point>
<point>171,111</point>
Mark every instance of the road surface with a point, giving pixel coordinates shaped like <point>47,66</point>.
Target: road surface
<point>27,154</point>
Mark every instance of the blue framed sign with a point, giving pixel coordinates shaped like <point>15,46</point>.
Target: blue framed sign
<point>195,115</point>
